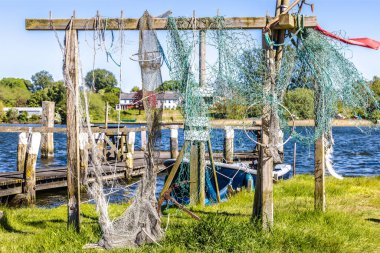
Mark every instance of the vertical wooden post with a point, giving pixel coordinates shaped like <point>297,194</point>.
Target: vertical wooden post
<point>319,175</point>
<point>131,142</point>
<point>122,147</point>
<point>47,141</point>
<point>229,135</point>
<point>83,148</point>
<point>30,168</point>
<point>197,152</point>
<point>71,74</point>
<point>143,140</point>
<point>106,115</point>
<point>294,158</point>
<point>263,202</point>
<point>202,57</point>
<point>202,173</point>
<point>21,151</point>
<point>210,153</point>
<point>130,152</point>
<point>194,173</point>
<point>174,142</point>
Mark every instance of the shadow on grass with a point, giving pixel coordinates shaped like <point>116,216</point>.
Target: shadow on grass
<point>373,220</point>
<point>4,222</point>
<point>42,223</point>
<point>223,213</point>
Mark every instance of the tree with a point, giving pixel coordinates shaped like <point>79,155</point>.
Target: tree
<point>138,104</point>
<point>110,95</point>
<point>55,92</point>
<point>14,91</point>
<point>12,115</point>
<point>99,79</point>
<point>22,117</point>
<point>171,85</point>
<point>41,80</point>
<point>135,89</point>
<point>300,102</point>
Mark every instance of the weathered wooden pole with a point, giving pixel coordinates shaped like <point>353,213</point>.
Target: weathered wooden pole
<point>83,149</point>
<point>174,169</point>
<point>263,203</point>
<point>130,152</point>
<point>30,168</point>
<point>174,142</point>
<point>71,75</point>
<point>106,109</point>
<point>47,141</point>
<point>131,142</point>
<point>121,151</point>
<point>210,153</point>
<point>143,140</point>
<point>194,174</point>
<point>229,135</point>
<point>319,155</point>
<point>21,150</point>
<point>202,172</point>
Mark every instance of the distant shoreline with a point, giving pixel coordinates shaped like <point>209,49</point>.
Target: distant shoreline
<point>257,122</point>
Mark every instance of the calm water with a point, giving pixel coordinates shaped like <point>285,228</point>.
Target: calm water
<point>356,151</point>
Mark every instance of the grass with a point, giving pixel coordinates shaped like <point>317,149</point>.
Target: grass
<point>350,224</point>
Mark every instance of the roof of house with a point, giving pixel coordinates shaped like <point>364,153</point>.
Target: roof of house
<point>129,95</point>
<point>168,95</point>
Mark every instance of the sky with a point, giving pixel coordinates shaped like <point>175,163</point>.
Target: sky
<point>23,53</point>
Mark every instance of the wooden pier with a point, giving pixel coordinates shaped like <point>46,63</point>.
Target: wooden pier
<point>123,161</point>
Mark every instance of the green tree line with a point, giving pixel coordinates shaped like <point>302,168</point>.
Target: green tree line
<point>17,92</point>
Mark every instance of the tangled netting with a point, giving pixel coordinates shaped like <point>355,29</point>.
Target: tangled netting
<point>235,80</point>
<point>140,223</point>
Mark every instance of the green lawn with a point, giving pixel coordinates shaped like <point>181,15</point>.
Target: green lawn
<point>351,223</point>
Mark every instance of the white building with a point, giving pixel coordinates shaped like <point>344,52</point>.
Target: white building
<point>168,100</point>
<point>30,110</point>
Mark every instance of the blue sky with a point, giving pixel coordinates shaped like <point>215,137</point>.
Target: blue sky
<point>23,53</point>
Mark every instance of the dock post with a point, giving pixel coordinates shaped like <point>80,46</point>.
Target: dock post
<point>174,142</point>
<point>229,144</point>
<point>130,152</point>
<point>30,168</point>
<point>47,139</point>
<point>143,140</point>
<point>122,147</point>
<point>21,151</point>
<point>83,150</point>
<point>319,175</point>
<point>131,142</point>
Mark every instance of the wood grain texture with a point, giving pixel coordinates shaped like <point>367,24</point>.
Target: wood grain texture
<point>158,23</point>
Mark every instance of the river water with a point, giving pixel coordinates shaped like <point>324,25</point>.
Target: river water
<point>356,150</point>
<point>356,153</point>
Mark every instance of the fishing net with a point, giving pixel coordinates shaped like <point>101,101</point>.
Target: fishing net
<point>140,223</point>
<point>234,81</point>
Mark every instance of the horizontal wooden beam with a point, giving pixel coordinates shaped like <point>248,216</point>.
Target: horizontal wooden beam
<point>158,23</point>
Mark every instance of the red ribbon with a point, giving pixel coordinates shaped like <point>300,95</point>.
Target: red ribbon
<point>363,42</point>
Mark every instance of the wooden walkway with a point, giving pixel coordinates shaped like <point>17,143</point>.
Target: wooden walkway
<point>11,183</point>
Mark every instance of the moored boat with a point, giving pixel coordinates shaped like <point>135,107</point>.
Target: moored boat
<point>230,177</point>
